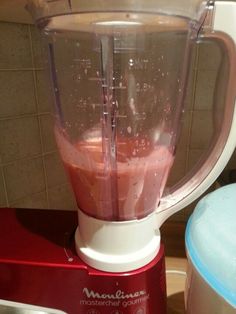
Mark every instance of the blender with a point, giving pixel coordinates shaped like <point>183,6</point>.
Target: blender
<point>118,73</point>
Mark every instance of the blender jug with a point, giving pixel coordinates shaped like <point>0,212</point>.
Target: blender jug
<point>119,72</point>
<point>118,105</point>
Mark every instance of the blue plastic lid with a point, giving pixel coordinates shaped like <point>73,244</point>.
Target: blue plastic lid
<point>211,241</point>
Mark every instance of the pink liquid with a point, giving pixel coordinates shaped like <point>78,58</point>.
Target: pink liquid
<point>131,190</point>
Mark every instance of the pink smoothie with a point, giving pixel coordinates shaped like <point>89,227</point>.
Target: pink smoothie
<point>131,188</point>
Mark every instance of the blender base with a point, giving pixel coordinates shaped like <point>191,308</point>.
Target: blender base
<point>39,266</point>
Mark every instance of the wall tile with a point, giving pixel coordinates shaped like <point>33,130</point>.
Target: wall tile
<point>61,197</point>
<point>179,167</point>
<point>205,90</point>
<point>24,178</point>
<point>3,198</point>
<point>15,52</point>
<point>19,138</point>
<point>202,129</point>
<point>190,82</point>
<point>193,157</point>
<point>185,131</point>
<point>55,172</point>
<point>209,56</point>
<point>17,94</point>
<point>48,138</point>
<point>39,53</point>
<point>38,200</point>
<point>190,87</point>
<point>170,49</point>
<point>44,92</point>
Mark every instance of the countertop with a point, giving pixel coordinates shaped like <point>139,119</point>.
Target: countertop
<point>176,265</point>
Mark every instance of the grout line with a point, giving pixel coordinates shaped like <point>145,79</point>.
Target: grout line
<point>25,115</point>
<point>21,69</point>
<point>43,154</point>
<point>5,186</point>
<point>192,107</point>
<point>66,183</point>
<point>34,74</point>
<point>44,165</point>
<point>23,198</point>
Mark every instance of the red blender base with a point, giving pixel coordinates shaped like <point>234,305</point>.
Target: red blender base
<point>39,266</point>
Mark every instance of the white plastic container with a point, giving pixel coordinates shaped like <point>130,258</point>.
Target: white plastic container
<point>211,250</point>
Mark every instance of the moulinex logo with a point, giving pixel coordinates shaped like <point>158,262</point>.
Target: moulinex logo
<point>118,295</point>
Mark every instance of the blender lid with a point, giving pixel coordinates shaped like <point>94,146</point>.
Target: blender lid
<point>211,241</point>
<point>191,9</point>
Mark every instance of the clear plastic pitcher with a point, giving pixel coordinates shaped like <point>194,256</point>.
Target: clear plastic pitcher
<point>119,72</point>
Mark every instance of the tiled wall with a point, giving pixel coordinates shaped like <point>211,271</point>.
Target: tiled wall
<point>31,173</point>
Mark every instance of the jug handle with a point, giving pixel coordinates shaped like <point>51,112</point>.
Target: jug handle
<point>222,16</point>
